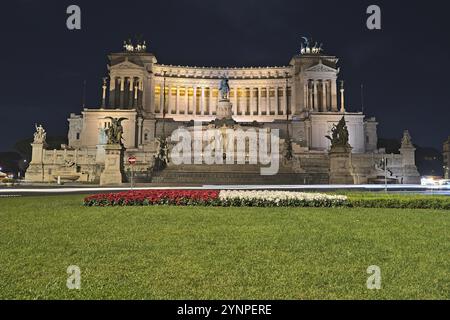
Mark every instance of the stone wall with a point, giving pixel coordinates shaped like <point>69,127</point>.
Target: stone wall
<point>81,165</point>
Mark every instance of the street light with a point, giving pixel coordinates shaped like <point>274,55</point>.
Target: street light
<point>164,105</point>
<point>384,160</point>
<point>288,137</point>
<point>287,105</point>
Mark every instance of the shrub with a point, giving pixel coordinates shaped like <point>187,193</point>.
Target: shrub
<point>8,180</point>
<point>399,201</point>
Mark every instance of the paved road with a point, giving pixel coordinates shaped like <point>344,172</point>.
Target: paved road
<point>37,190</point>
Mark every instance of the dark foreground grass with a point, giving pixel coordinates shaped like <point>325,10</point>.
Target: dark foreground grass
<point>220,253</point>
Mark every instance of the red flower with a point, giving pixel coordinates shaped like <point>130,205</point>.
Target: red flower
<point>149,197</point>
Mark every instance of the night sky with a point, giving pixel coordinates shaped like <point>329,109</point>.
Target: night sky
<point>404,67</point>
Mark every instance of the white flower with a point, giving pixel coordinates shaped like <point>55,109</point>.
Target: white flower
<point>278,197</point>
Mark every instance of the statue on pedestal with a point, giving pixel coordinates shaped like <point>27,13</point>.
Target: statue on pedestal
<point>224,89</point>
<point>406,140</point>
<point>40,135</point>
<point>115,132</point>
<point>224,107</point>
<point>341,169</point>
<point>339,135</point>
<point>162,158</point>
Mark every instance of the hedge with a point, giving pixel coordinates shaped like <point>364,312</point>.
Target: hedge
<point>399,201</point>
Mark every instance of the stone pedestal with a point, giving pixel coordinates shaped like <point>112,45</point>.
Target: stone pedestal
<point>410,174</point>
<point>35,171</point>
<point>224,110</point>
<point>113,171</point>
<point>340,167</point>
<point>299,133</point>
<point>100,154</point>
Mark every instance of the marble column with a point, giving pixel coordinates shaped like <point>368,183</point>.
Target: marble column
<point>235,104</point>
<point>130,93</point>
<point>244,101</point>
<point>310,96</point>
<point>104,94</point>
<point>211,101</point>
<point>202,102</point>
<point>285,100</point>
<point>169,100</point>
<point>306,96</point>
<point>141,92</point>
<point>194,100</point>
<point>324,97</point>
<point>217,101</point>
<point>327,95</point>
<point>277,101</point>
<point>333,86</point>
<point>342,97</point>
<point>186,97</point>
<point>259,101</point>
<point>267,101</point>
<point>112,92</point>
<point>122,89</point>
<point>252,102</point>
<point>315,98</point>
<point>177,101</point>
<point>161,98</point>
<point>136,96</point>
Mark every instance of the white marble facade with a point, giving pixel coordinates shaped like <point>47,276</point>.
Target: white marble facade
<point>305,92</point>
<point>302,99</point>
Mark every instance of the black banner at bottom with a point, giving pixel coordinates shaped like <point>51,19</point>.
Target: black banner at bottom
<point>216,309</point>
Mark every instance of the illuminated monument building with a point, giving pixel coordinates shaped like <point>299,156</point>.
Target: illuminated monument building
<point>303,99</point>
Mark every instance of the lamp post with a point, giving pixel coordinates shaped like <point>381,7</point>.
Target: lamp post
<point>288,138</point>
<point>287,105</point>
<point>385,172</point>
<point>164,104</point>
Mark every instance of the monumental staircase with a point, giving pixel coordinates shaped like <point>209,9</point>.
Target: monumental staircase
<point>242,174</point>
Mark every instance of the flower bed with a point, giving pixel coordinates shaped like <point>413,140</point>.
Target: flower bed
<point>216,198</point>
<point>154,197</point>
<point>279,199</point>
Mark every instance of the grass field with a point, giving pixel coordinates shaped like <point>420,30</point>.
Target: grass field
<point>220,253</point>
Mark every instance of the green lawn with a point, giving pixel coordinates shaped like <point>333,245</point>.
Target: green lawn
<point>219,253</point>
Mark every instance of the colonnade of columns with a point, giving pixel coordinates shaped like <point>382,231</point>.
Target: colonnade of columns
<point>126,92</point>
<point>201,100</point>
<point>320,95</point>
